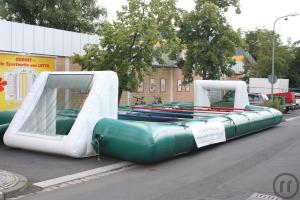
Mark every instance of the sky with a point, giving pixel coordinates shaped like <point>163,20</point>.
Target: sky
<point>255,14</point>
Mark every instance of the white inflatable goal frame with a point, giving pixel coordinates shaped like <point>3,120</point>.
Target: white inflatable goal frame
<point>102,101</point>
<point>201,99</point>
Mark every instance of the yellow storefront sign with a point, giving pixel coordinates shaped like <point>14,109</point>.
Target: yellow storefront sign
<point>17,74</point>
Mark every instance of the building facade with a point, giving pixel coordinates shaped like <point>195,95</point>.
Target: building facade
<point>167,82</point>
<point>27,50</point>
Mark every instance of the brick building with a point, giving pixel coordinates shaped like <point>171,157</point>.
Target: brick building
<point>164,82</point>
<point>171,76</point>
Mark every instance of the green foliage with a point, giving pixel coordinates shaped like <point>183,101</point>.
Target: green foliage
<point>276,103</point>
<point>71,15</point>
<point>209,40</point>
<point>260,46</point>
<point>128,46</point>
<point>294,70</point>
<point>223,5</point>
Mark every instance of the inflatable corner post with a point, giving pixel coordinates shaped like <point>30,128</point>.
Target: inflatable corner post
<point>241,99</point>
<point>35,123</point>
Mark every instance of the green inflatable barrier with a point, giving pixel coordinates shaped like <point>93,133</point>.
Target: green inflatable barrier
<point>148,142</point>
<point>145,139</point>
<point>5,119</point>
<point>64,121</point>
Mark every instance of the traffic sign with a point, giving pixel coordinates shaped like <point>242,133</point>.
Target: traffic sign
<point>272,79</point>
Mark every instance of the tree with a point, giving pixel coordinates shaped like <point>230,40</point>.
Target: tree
<point>70,15</point>
<point>209,40</point>
<point>294,70</point>
<point>260,46</point>
<point>141,33</point>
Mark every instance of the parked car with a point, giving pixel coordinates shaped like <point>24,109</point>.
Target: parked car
<point>258,99</point>
<point>287,100</point>
<point>297,96</point>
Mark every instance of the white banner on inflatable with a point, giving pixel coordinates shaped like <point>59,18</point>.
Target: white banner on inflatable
<point>208,133</point>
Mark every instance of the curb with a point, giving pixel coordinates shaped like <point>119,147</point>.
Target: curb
<point>15,189</point>
<point>80,175</point>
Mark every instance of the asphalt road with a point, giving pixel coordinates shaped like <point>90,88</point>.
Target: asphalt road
<point>292,114</point>
<point>233,170</point>
<point>40,166</point>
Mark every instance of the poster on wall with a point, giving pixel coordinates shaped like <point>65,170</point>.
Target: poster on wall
<point>152,85</point>
<point>162,85</point>
<point>17,75</point>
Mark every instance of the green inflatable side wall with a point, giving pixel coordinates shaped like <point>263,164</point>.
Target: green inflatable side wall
<point>148,142</point>
<point>63,122</point>
<point>5,119</point>
<point>142,141</point>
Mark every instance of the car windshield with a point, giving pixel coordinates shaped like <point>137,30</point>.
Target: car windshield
<point>253,97</point>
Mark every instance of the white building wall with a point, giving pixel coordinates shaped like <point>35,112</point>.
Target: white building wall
<point>24,38</point>
<point>262,85</point>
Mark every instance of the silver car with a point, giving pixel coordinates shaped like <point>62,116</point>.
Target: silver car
<point>258,99</point>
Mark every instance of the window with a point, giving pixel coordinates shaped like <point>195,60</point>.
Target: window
<point>162,85</point>
<point>187,87</point>
<point>141,87</point>
<point>179,85</point>
<point>152,85</point>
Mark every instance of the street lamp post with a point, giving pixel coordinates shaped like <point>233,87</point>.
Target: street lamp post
<point>273,49</point>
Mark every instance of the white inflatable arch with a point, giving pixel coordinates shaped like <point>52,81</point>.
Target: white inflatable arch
<point>34,125</point>
<point>201,98</point>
